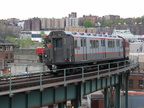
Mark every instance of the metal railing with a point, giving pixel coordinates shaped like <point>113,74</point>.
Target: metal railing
<point>40,80</point>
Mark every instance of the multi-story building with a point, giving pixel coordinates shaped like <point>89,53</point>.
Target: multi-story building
<point>111,17</point>
<point>136,81</point>
<point>6,52</point>
<point>92,18</point>
<point>21,24</point>
<point>72,20</point>
<point>36,24</point>
<point>81,29</point>
<point>52,23</point>
<point>43,23</point>
<point>13,21</point>
<point>27,25</point>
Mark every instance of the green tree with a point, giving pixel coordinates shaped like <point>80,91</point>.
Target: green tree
<point>138,20</point>
<point>42,32</point>
<point>11,39</point>
<point>43,35</point>
<point>88,23</point>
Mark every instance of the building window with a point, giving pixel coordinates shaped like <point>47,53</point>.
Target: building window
<point>11,48</point>
<point>6,56</point>
<point>11,55</point>
<point>130,83</point>
<point>140,84</point>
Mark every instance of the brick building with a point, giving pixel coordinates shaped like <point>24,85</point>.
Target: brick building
<point>6,52</point>
<point>136,81</point>
<point>92,18</point>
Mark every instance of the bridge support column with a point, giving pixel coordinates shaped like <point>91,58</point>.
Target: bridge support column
<point>126,90</point>
<point>61,105</point>
<point>105,97</point>
<point>75,103</point>
<point>117,96</point>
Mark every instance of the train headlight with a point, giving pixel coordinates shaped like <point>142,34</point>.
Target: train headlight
<point>46,56</point>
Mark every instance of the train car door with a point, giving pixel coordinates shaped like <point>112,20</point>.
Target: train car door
<point>103,48</point>
<point>57,50</point>
<point>84,48</point>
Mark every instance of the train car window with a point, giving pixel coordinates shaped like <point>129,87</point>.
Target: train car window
<point>103,43</point>
<point>58,43</point>
<point>83,42</point>
<point>1,48</point>
<point>96,43</point>
<point>113,43</point>
<point>75,43</point>
<point>110,43</point>
<point>117,43</point>
<point>91,44</point>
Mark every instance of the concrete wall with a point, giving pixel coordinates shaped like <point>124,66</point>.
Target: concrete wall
<point>20,68</point>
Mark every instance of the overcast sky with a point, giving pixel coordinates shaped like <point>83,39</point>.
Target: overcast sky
<point>24,9</point>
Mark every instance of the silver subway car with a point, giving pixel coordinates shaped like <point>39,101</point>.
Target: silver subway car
<point>67,49</point>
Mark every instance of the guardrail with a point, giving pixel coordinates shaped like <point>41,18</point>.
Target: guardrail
<point>40,79</point>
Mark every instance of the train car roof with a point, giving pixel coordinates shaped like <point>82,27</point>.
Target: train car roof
<point>87,35</point>
<point>81,34</point>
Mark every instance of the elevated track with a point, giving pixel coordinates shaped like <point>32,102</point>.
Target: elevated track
<point>80,84</point>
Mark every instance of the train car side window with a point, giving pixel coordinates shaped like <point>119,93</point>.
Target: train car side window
<point>83,42</point>
<point>96,43</point>
<point>110,43</point>
<point>117,43</point>
<point>113,43</point>
<point>1,48</point>
<point>91,44</point>
<point>75,43</point>
<point>103,43</point>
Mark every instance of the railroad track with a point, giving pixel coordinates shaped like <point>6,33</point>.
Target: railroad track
<point>37,79</point>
